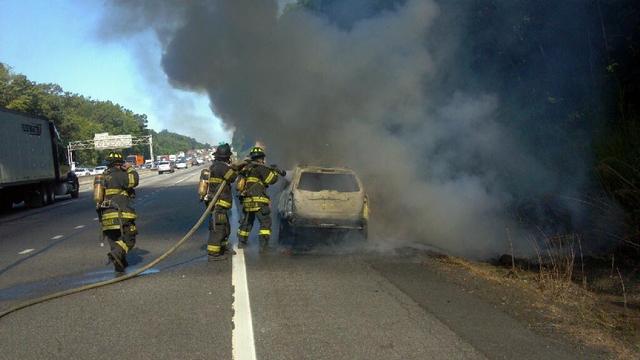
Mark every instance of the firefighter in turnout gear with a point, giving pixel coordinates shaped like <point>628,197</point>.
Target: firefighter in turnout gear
<point>210,180</point>
<point>252,189</point>
<point>113,204</point>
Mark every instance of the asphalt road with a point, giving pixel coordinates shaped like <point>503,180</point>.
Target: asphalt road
<point>318,305</point>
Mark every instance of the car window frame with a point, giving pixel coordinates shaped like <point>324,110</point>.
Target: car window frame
<point>295,183</point>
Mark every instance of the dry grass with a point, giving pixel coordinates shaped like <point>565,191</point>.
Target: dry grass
<point>570,303</point>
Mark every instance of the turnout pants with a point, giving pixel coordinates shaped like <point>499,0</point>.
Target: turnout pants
<point>121,242</point>
<point>219,230</point>
<point>263,214</point>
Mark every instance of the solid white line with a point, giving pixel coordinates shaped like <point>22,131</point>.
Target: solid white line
<point>57,237</point>
<point>26,251</point>
<point>79,227</point>
<point>243,346</point>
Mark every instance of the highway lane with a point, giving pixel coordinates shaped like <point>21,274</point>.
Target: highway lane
<point>182,310</point>
<point>319,305</point>
<point>66,241</point>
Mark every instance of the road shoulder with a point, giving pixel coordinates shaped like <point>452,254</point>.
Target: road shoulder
<point>478,313</point>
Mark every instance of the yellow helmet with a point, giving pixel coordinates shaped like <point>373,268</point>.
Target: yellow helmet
<point>115,158</point>
<point>257,152</point>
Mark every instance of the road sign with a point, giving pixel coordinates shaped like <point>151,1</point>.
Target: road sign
<point>101,135</point>
<point>105,141</point>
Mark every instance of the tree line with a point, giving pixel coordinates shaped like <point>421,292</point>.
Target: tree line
<point>78,117</point>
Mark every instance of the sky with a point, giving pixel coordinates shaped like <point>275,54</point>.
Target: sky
<point>56,41</point>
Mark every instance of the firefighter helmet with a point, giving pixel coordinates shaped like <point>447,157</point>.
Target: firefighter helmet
<point>115,158</point>
<point>257,153</point>
<point>223,151</point>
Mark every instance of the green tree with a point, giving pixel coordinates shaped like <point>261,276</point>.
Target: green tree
<point>78,118</point>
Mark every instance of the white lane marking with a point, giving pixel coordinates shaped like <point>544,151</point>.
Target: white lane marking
<point>185,178</point>
<point>95,219</point>
<point>243,346</point>
<point>57,237</point>
<point>79,227</point>
<point>25,251</point>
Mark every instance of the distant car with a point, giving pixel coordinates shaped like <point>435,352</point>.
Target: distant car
<point>98,170</point>
<point>165,166</point>
<point>323,198</point>
<point>181,165</point>
<point>82,171</point>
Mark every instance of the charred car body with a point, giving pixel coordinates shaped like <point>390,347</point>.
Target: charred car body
<point>323,198</point>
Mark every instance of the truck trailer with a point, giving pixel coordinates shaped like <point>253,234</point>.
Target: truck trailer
<point>33,162</point>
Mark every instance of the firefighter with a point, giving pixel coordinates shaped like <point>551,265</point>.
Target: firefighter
<point>256,177</point>
<point>210,180</point>
<point>117,217</point>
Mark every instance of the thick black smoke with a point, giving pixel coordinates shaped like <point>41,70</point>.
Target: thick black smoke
<point>385,94</point>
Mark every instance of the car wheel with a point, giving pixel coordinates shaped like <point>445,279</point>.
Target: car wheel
<point>51,195</point>
<point>286,235</point>
<point>281,233</point>
<point>76,192</point>
<point>6,204</point>
<point>363,233</point>
<point>36,199</point>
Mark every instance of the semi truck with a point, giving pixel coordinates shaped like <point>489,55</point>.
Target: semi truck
<point>33,162</point>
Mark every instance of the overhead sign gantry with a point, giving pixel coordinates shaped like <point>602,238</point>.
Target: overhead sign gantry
<point>104,141</point>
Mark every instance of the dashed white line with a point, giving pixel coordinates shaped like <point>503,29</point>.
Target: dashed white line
<point>79,227</point>
<point>243,346</point>
<point>185,178</point>
<point>95,219</point>
<point>25,251</point>
<point>57,237</point>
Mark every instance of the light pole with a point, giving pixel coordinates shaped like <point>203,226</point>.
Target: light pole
<point>151,148</point>
<point>70,157</point>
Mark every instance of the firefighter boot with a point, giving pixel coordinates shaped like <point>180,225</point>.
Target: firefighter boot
<point>116,258</point>
<point>226,249</point>
<point>215,252</point>
<point>264,244</point>
<point>221,256</point>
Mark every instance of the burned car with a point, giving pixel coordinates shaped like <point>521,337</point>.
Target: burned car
<point>323,198</point>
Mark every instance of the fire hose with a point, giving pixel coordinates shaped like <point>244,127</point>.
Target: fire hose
<point>137,272</point>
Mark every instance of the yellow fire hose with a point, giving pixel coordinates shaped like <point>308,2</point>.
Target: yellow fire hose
<point>127,276</point>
